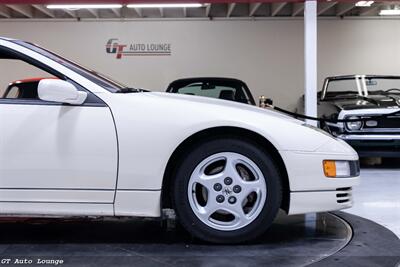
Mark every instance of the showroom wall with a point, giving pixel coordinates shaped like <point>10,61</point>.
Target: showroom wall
<point>267,54</point>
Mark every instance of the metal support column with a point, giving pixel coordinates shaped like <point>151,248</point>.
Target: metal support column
<point>310,59</point>
<point>310,77</point>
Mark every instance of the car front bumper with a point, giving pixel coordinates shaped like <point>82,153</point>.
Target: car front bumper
<point>318,201</point>
<point>305,171</point>
<point>310,189</point>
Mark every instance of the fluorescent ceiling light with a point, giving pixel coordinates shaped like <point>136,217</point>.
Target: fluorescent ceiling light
<point>389,12</point>
<point>364,3</point>
<point>94,6</point>
<point>177,5</point>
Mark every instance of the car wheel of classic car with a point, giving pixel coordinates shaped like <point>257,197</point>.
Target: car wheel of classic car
<point>227,191</point>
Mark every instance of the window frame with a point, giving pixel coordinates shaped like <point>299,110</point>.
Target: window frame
<point>92,100</point>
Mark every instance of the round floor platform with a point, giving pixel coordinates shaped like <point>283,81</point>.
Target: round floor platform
<point>291,241</point>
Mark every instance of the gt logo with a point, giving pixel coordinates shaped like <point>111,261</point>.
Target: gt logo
<point>112,47</point>
<point>5,261</point>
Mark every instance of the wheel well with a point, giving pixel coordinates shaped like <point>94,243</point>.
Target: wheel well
<point>218,132</point>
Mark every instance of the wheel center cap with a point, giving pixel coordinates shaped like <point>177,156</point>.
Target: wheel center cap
<point>227,191</point>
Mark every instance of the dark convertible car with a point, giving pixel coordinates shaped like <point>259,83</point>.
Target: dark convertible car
<point>367,97</point>
<point>215,87</point>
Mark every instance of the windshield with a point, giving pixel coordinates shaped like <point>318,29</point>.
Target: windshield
<point>362,86</point>
<point>215,92</point>
<point>214,88</point>
<point>91,75</point>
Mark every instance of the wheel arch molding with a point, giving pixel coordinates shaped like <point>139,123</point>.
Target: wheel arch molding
<point>222,132</point>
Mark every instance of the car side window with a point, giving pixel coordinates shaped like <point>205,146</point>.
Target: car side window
<point>25,89</point>
<point>12,92</point>
<point>20,76</point>
<point>19,79</point>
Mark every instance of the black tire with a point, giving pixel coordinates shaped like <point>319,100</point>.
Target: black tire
<point>188,218</point>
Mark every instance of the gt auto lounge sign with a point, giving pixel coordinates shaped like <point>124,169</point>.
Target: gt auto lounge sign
<point>137,49</point>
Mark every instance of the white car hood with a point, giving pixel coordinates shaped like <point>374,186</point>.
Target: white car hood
<point>200,100</point>
<point>177,116</point>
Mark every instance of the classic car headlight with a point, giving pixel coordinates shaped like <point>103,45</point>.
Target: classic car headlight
<point>354,125</point>
<point>341,168</point>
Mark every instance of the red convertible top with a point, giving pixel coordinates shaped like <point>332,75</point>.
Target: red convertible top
<point>30,80</point>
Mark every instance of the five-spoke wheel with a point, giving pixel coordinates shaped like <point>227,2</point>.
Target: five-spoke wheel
<point>226,190</point>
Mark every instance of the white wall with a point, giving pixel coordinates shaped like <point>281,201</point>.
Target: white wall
<point>268,55</point>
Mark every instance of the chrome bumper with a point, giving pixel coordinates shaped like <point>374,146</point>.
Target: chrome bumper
<point>372,137</point>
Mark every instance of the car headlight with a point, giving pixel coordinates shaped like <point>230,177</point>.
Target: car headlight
<point>341,168</point>
<point>354,125</point>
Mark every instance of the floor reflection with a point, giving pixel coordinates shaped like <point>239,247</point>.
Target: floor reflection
<point>378,196</point>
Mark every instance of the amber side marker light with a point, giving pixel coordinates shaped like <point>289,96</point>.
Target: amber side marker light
<point>339,168</point>
<point>330,168</point>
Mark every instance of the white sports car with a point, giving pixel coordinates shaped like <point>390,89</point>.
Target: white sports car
<point>84,145</point>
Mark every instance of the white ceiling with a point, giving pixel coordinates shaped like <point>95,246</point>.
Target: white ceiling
<point>231,10</point>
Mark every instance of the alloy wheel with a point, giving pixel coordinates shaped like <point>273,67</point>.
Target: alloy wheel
<point>227,191</point>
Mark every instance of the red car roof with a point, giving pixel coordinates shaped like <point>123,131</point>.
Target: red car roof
<point>31,80</point>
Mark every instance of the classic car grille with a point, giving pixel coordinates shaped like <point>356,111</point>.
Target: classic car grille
<point>386,123</point>
<point>383,125</point>
<point>344,195</point>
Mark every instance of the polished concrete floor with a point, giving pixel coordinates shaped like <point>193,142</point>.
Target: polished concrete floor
<point>127,242</point>
<point>378,196</point>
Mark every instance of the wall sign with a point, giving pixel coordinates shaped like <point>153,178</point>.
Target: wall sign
<point>137,49</point>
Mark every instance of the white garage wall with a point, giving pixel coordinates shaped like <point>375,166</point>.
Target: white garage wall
<point>268,54</point>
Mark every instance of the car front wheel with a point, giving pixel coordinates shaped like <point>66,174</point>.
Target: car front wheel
<point>227,191</point>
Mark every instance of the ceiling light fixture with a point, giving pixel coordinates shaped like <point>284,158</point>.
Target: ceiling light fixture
<point>364,3</point>
<point>75,7</point>
<point>177,5</point>
<point>389,12</point>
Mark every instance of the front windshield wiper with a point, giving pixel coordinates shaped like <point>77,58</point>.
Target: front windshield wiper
<point>131,90</point>
<point>382,92</point>
<point>345,95</point>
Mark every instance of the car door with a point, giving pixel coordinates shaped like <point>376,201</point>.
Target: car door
<point>57,153</point>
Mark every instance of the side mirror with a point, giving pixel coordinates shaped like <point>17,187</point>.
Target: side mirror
<point>60,91</point>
